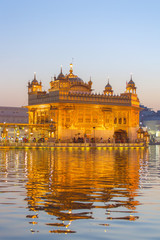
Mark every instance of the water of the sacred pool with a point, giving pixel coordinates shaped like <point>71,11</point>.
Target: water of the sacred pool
<point>80,194</point>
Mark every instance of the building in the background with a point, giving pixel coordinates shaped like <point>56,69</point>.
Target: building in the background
<point>13,115</point>
<point>150,120</point>
<point>12,122</point>
<point>71,111</point>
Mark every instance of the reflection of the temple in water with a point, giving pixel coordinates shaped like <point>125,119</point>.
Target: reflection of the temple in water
<point>76,184</point>
<point>71,184</point>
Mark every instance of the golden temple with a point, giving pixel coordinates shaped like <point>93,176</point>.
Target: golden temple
<point>71,111</point>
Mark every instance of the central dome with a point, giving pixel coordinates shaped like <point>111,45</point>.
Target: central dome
<point>73,78</point>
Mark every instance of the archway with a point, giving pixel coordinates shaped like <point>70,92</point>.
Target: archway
<point>120,136</point>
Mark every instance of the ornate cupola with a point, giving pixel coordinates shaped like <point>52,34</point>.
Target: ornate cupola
<point>130,86</point>
<point>34,86</point>
<point>61,75</point>
<point>108,89</point>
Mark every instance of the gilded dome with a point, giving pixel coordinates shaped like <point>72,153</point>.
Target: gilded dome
<point>108,89</point>
<point>73,78</point>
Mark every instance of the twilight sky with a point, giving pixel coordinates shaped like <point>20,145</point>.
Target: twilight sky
<point>101,37</point>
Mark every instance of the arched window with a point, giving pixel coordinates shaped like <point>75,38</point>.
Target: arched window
<point>115,120</point>
<point>120,121</point>
<point>124,120</point>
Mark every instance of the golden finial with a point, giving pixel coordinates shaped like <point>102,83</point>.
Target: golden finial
<point>71,68</point>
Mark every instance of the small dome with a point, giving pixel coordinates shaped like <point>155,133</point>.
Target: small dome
<point>61,75</point>
<point>140,130</point>
<point>34,81</point>
<point>108,89</point>
<point>108,85</point>
<point>131,83</point>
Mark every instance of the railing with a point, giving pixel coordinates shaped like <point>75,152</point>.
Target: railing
<point>68,145</point>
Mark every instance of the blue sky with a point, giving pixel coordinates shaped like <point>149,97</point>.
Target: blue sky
<point>104,38</point>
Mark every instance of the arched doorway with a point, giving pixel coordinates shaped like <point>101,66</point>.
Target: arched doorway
<point>120,136</point>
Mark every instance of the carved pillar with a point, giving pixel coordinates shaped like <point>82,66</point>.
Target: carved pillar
<point>30,117</point>
<point>35,117</point>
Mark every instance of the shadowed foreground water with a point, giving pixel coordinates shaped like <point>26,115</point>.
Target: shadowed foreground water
<point>80,194</point>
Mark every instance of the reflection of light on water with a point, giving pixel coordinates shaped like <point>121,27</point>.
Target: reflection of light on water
<point>26,162</point>
<point>143,170</point>
<point>6,166</point>
<point>143,166</point>
<point>69,221</point>
<point>68,224</point>
<point>78,185</point>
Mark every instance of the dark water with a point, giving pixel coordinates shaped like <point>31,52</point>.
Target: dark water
<point>80,194</point>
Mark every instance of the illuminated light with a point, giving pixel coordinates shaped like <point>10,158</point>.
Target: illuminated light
<point>33,223</point>
<point>71,65</point>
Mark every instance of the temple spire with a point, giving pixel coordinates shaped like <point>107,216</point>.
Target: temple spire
<point>34,75</point>
<point>90,82</point>
<point>108,79</point>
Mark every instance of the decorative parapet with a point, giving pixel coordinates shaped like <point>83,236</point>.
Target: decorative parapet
<point>75,97</point>
<point>93,98</point>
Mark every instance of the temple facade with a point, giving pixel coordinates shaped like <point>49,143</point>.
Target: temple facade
<point>71,111</point>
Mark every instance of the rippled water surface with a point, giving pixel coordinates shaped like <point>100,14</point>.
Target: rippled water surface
<point>80,194</point>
